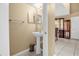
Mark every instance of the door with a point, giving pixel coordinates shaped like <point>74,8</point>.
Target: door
<point>67,29</point>
<point>59,29</point>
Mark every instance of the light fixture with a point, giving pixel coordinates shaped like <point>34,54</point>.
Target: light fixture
<point>34,14</point>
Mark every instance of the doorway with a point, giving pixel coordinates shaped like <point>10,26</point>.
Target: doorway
<point>67,26</point>
<point>62,29</point>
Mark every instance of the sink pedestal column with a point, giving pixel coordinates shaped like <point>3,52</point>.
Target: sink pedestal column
<point>38,49</point>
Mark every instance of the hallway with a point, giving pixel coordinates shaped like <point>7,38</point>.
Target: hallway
<point>66,47</point>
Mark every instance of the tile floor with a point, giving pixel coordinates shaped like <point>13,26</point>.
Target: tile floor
<point>65,47</point>
<point>33,54</point>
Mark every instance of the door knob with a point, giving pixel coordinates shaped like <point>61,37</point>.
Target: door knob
<point>45,32</point>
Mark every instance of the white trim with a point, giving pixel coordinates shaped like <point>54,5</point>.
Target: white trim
<point>4,29</point>
<point>45,29</point>
<point>22,53</point>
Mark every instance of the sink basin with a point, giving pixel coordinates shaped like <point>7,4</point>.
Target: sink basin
<point>37,34</point>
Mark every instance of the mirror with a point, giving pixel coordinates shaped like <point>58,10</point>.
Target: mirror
<point>31,15</point>
<point>39,19</point>
<point>34,14</point>
<point>31,18</point>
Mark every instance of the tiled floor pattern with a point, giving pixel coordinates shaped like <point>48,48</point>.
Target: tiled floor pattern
<point>65,47</point>
<point>33,54</point>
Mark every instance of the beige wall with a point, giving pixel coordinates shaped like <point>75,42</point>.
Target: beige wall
<point>74,7</point>
<point>20,33</point>
<point>75,14</point>
<point>51,29</point>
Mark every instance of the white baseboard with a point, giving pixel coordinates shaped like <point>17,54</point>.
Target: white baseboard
<point>22,53</point>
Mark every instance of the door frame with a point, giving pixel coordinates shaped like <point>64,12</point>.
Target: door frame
<point>45,29</point>
<point>48,32</point>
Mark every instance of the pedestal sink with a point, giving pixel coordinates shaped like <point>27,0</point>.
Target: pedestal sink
<point>37,35</point>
